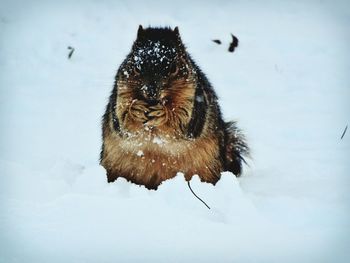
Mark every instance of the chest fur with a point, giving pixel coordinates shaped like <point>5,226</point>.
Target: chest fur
<point>150,159</point>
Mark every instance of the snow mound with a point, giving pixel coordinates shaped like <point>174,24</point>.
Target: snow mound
<point>287,82</point>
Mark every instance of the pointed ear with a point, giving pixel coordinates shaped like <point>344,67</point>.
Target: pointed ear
<point>140,32</point>
<point>176,31</point>
<point>177,34</point>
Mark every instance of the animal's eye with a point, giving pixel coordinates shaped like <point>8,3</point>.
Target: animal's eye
<point>174,69</point>
<point>137,71</point>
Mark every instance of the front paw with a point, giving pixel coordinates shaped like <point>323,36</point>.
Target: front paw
<point>157,115</point>
<point>138,110</point>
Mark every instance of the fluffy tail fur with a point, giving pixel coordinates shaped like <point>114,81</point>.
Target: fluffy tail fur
<point>235,149</point>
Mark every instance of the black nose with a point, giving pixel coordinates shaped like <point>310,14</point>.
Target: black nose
<point>152,91</point>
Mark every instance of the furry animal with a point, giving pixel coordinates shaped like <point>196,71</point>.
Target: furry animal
<point>163,117</point>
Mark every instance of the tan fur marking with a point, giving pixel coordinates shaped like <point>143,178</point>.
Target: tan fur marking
<point>161,161</point>
<point>165,150</point>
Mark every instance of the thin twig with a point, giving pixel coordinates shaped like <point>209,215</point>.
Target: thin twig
<point>189,185</point>
<point>344,132</point>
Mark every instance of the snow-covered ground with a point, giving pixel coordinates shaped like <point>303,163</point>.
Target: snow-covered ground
<point>287,84</point>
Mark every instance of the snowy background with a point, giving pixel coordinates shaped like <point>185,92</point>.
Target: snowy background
<point>287,84</point>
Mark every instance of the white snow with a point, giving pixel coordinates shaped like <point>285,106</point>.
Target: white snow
<point>144,88</point>
<point>126,73</point>
<point>287,84</point>
<point>153,49</point>
<point>158,140</point>
<point>200,98</point>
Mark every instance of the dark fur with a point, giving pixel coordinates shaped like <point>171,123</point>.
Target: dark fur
<point>205,121</point>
